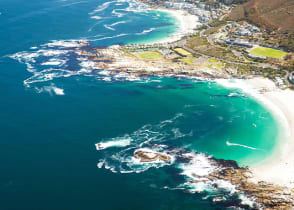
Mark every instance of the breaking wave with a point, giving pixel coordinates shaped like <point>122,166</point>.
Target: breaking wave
<point>108,27</point>
<point>241,145</point>
<point>115,142</point>
<point>51,90</point>
<point>146,31</point>
<point>152,140</point>
<point>53,60</point>
<point>101,7</point>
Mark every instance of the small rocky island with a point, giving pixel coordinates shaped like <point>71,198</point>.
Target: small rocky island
<point>261,195</point>
<point>147,156</point>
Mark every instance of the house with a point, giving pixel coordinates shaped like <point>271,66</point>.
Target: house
<point>243,32</point>
<point>239,42</point>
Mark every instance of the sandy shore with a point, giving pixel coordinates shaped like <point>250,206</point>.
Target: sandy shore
<point>187,24</point>
<point>279,167</point>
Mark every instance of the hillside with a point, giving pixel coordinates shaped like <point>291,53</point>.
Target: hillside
<point>270,14</point>
<point>274,16</point>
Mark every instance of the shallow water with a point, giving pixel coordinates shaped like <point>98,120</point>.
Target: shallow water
<point>50,125</point>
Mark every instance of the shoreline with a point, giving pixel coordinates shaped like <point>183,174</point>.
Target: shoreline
<point>187,24</point>
<point>278,168</point>
<point>277,101</point>
<point>280,103</point>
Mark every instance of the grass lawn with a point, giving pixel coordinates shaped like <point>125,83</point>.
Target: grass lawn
<point>189,61</point>
<point>182,52</point>
<point>268,52</point>
<point>150,55</point>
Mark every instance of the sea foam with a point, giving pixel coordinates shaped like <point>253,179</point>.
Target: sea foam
<point>116,142</point>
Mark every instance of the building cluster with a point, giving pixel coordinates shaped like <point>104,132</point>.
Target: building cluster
<point>244,29</point>
<point>201,10</point>
<point>280,82</point>
<point>237,34</point>
<point>256,56</point>
<point>239,42</point>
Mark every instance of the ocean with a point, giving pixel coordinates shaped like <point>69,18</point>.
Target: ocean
<point>54,109</point>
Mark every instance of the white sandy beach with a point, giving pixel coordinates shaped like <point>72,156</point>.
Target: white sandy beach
<point>279,167</point>
<point>187,24</point>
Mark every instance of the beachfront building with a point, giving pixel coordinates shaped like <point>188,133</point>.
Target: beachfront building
<point>205,14</point>
<point>243,32</point>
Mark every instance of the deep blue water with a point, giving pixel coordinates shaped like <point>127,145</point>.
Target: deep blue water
<point>47,141</point>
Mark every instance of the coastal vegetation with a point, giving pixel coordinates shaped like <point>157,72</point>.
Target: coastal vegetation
<point>188,61</point>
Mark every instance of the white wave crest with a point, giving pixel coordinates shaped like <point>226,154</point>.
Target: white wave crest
<point>119,22</point>
<point>110,37</point>
<point>51,90</point>
<point>101,7</point>
<point>53,62</point>
<point>66,43</point>
<point>118,14</point>
<point>241,145</point>
<point>199,165</point>
<point>116,142</point>
<point>108,27</point>
<point>146,31</point>
<point>96,17</point>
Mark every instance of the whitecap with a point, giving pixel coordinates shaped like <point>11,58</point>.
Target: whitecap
<point>241,145</point>
<point>101,163</point>
<point>53,62</point>
<point>119,22</point>
<point>66,43</point>
<point>246,201</point>
<point>146,31</point>
<point>101,7</point>
<point>108,27</point>
<point>96,17</point>
<point>199,165</point>
<point>115,142</point>
<point>109,37</point>
<point>51,90</point>
<point>106,79</point>
<point>118,14</point>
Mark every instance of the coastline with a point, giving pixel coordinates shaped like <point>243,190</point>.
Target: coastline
<point>279,167</point>
<point>186,25</point>
<point>280,103</point>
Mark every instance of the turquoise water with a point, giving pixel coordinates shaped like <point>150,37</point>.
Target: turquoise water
<point>49,127</point>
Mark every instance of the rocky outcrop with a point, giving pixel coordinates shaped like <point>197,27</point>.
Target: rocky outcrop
<point>265,195</point>
<point>150,156</point>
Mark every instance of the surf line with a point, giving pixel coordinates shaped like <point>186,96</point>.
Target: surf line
<point>241,145</point>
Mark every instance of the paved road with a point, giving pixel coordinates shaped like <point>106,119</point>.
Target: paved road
<point>263,65</point>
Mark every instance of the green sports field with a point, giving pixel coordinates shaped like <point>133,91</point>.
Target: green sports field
<point>150,55</point>
<point>268,52</point>
<point>182,52</point>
